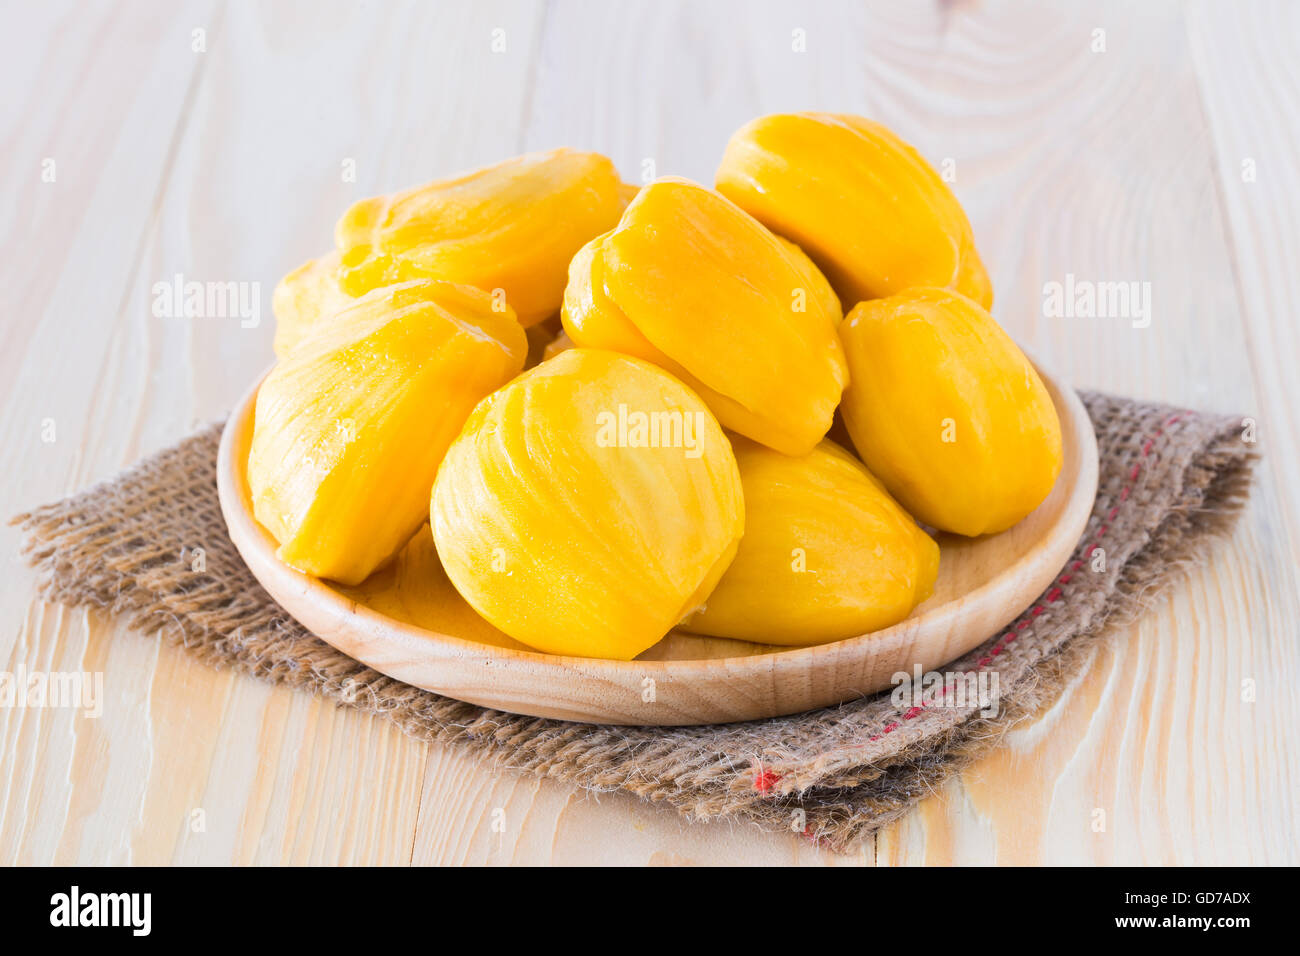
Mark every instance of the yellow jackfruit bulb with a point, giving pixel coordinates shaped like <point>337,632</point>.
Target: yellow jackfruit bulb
<point>690,282</point>
<point>947,411</point>
<point>350,426</point>
<point>868,209</point>
<point>827,553</point>
<point>588,506</point>
<point>303,298</point>
<point>509,229</point>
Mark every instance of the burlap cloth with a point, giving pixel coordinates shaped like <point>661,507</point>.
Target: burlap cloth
<point>1169,480</point>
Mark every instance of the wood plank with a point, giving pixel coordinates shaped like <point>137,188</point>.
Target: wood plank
<point>70,245</point>
<point>101,92</point>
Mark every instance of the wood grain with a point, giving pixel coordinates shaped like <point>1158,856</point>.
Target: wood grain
<point>226,165</point>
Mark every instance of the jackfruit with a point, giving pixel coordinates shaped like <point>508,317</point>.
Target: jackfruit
<point>509,229</point>
<point>948,412</point>
<point>588,506</point>
<point>350,426</point>
<point>689,282</point>
<point>868,209</point>
<point>827,553</point>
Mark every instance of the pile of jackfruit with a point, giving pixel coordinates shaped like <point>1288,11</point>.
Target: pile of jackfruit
<point>610,406</point>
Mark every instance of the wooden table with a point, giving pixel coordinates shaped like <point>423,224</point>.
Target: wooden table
<point>1156,143</point>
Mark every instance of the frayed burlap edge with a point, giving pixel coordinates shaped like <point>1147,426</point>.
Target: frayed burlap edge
<point>1170,481</point>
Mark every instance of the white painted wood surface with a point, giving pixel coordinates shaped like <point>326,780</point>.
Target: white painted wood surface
<point>1130,163</point>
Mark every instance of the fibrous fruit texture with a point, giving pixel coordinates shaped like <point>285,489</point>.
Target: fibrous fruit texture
<point>868,209</point>
<point>509,229</point>
<point>692,283</point>
<point>948,412</point>
<point>827,553</point>
<point>349,429</point>
<point>588,505</point>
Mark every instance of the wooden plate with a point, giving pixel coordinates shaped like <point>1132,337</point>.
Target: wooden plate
<point>983,584</point>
